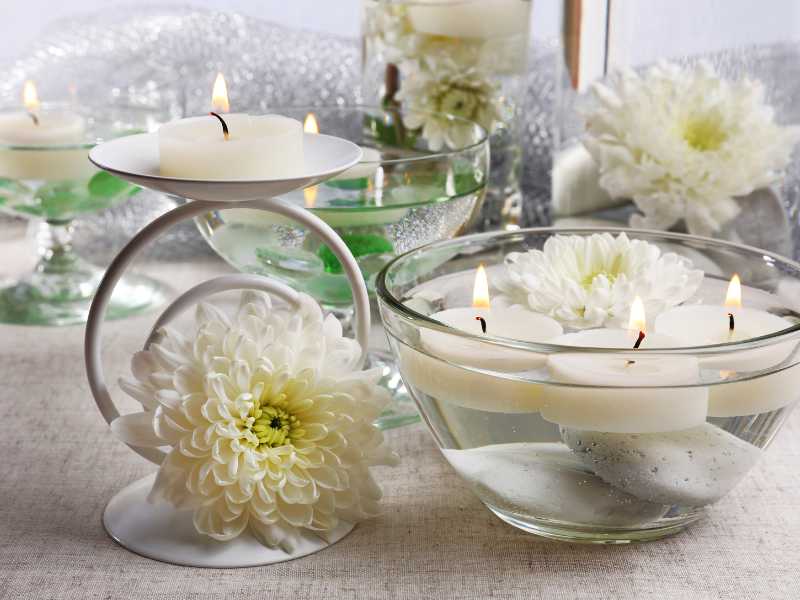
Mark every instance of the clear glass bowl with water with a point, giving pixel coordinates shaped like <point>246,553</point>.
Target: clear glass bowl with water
<point>497,422</point>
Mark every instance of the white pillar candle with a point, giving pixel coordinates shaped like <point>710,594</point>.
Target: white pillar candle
<point>470,18</point>
<point>35,143</point>
<point>436,371</point>
<point>257,147</point>
<point>576,184</point>
<point>702,325</point>
<point>612,393</point>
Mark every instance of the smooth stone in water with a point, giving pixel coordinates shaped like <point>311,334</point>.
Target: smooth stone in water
<point>548,481</point>
<point>693,467</point>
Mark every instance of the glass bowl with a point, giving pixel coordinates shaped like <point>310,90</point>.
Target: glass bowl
<point>582,455</point>
<point>53,184</point>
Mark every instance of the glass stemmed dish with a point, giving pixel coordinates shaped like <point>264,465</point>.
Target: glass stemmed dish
<point>55,184</point>
<point>523,438</point>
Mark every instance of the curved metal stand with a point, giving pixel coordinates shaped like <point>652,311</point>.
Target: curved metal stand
<point>158,530</point>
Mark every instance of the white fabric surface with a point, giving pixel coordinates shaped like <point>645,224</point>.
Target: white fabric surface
<point>60,465</point>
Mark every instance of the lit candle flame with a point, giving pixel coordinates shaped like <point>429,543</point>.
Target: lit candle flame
<point>310,124</point>
<point>310,196</point>
<point>480,293</point>
<point>638,319</point>
<point>29,97</point>
<point>734,297</point>
<point>219,95</point>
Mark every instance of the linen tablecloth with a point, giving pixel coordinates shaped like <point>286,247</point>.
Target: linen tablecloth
<point>60,464</point>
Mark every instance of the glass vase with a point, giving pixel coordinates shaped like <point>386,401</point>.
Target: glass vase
<point>461,57</point>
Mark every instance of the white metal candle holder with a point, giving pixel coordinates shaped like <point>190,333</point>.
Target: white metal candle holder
<point>158,530</point>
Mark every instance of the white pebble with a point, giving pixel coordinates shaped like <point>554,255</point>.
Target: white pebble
<point>548,481</point>
<point>691,467</point>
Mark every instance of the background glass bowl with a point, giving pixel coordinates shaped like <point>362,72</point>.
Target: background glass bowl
<point>408,197</point>
<point>583,485</point>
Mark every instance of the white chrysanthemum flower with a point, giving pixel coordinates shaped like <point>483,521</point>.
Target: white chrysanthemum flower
<point>682,143</point>
<point>590,281</point>
<point>441,86</point>
<point>269,425</point>
<point>387,24</point>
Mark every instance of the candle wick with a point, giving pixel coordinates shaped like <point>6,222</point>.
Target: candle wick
<point>34,118</point>
<point>639,340</point>
<point>731,322</point>
<point>483,323</point>
<point>636,345</point>
<point>225,131</point>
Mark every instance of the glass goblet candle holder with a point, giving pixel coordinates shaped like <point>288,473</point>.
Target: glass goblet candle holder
<point>400,196</point>
<point>54,183</point>
<point>575,435</point>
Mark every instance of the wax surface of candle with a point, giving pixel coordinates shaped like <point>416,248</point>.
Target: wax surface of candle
<point>623,394</point>
<point>469,19</point>
<point>46,135</point>
<point>258,147</point>
<point>700,325</point>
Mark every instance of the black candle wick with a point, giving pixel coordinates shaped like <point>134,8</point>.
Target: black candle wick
<point>224,125</point>
<point>483,323</point>
<point>636,345</point>
<point>639,340</point>
<point>34,118</point>
<point>731,322</point>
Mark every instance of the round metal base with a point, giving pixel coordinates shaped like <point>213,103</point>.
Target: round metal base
<point>161,532</point>
<point>565,533</point>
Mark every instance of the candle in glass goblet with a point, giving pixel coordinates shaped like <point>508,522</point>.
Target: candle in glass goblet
<point>23,131</point>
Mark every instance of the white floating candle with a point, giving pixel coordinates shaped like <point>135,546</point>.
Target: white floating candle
<point>42,132</point>
<point>613,393</point>
<point>477,19</point>
<point>701,325</point>
<point>231,146</point>
<point>473,389</point>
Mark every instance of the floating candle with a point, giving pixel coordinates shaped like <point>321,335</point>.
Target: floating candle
<point>470,19</point>
<point>254,147</point>
<point>606,392</point>
<point>700,325</point>
<point>34,138</point>
<point>366,167</point>
<point>431,372</point>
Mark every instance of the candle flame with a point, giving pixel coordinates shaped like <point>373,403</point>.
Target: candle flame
<point>480,293</point>
<point>310,196</point>
<point>219,95</point>
<point>638,319</point>
<point>733,299</point>
<point>310,124</point>
<point>29,97</point>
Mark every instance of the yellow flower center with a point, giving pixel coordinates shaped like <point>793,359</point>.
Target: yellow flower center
<point>272,424</point>
<point>459,102</point>
<point>704,132</point>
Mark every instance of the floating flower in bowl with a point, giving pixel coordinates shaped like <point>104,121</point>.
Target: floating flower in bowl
<point>267,418</point>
